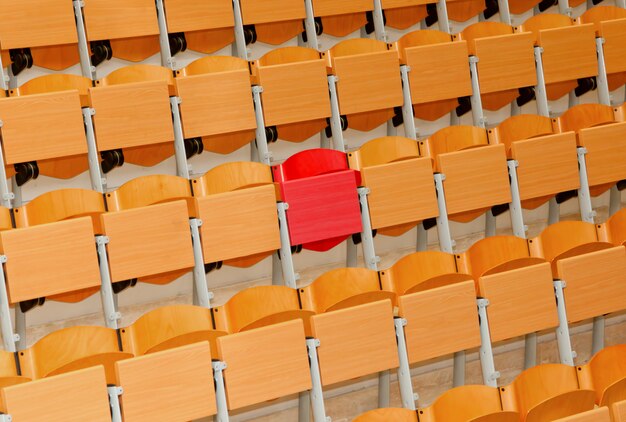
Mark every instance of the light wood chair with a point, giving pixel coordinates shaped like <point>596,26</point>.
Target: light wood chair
<point>614,229</point>
<point>382,415</point>
<point>341,18</point>
<point>224,121</point>
<point>168,327</point>
<point>600,414</point>
<point>272,21</point>
<point>71,349</point>
<point>174,385</point>
<point>545,393</point>
<point>84,395</point>
<point>133,119</point>
<point>605,373</point>
<point>478,403</point>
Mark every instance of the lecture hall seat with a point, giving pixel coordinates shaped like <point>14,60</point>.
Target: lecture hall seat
<point>605,373</point>
<point>614,229</point>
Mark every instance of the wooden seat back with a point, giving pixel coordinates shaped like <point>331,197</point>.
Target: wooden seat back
<point>421,271</point>
<point>275,21</point>
<point>149,190</point>
<point>519,128</point>
<point>439,72</point>
<point>232,122</point>
<point>253,358</point>
<point>614,229</point>
<point>56,82</point>
<point>168,327</point>
<point>181,378</point>
<point>295,91</point>
<point>387,414</point>
<point>232,176</point>
<point>84,392</point>
<point>342,17</point>
<point>605,369</point>
<point>600,414</point>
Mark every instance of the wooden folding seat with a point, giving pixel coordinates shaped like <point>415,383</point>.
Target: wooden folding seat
<point>43,130</point>
<point>478,403</point>
<point>341,18</point>
<point>506,64</point>
<point>38,32</point>
<point>294,96</point>
<point>605,373</point>
<point>568,53</point>
<point>546,392</point>
<point>71,349</point>
<point>83,393</point>
<point>599,414</point>
<point>438,75</point>
<point>127,30</point>
<point>56,261</point>
<point>614,229</point>
<point>367,84</point>
<point>133,120</point>
<point>221,122</point>
<point>272,21</point>
<point>382,415</point>
<point>204,27</point>
<point>175,385</point>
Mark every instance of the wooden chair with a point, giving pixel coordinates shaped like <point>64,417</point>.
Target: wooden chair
<point>478,403</point>
<point>42,33</point>
<point>564,72</point>
<point>614,229</point>
<point>71,349</point>
<point>382,415</point>
<point>272,21</point>
<point>605,373</point>
<point>545,393</point>
<point>341,18</point>
<point>224,121</point>
<point>84,395</point>
<point>66,266</point>
<point>401,193</point>
<point>168,327</point>
<point>203,27</point>
<point>133,120</point>
<point>294,99</point>
<point>368,85</point>
<point>127,30</point>
<point>600,414</point>
<point>506,63</point>
<point>174,385</point>
<point>439,73</point>
<point>421,271</point>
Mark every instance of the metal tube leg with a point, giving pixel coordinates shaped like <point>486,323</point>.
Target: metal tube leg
<point>584,196</point>
<point>490,375</point>
<point>304,406</point>
<point>598,335</point>
<point>505,15</point>
<point>111,315</point>
<point>564,8</point>
<point>114,401</point>
<point>384,379</point>
<point>422,238</point>
<point>309,25</point>
<point>87,69</point>
<point>5,194</point>
<point>530,350</point>
<point>290,277</point>
<point>604,95</point>
<point>317,396</point>
<point>335,119</point>
<point>554,212</point>
<point>404,371</point>
<point>458,371</point>
<point>367,239</point>
<point>379,22</point>
<point>8,336</point>
<point>98,182</point>
<point>541,94</point>
<point>443,226</point>
<point>182,167</point>
<point>490,224</point>
<point>442,13</point>
<point>475,100</point>
<point>615,203</point>
<point>277,271</point>
<point>240,38</point>
<point>20,328</point>
<point>164,42</point>
<point>264,154</point>
<point>201,288</point>
<point>515,207</point>
<point>564,342</point>
<point>220,391</point>
<point>407,105</point>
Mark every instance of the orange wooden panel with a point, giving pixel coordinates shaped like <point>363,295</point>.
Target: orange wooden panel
<point>368,82</point>
<point>400,192</point>
<point>180,378</point>
<point>619,411</point>
<point>440,321</point>
<point>392,4</point>
<point>228,109</point>
<point>355,341</point>
<point>475,178</point>
<point>75,397</point>
<point>190,15</point>
<point>600,414</point>
<point>239,223</point>
<point>614,34</point>
<point>341,7</point>
<point>568,53</point>
<point>388,414</point>
<point>506,62</point>
<point>606,153</point>
<point>270,11</point>
<point>36,23</point>
<point>294,92</point>
<point>50,259</point>
<point>42,126</point>
<point>112,19</point>
<point>520,301</point>
<point>596,283</point>
<point>547,165</point>
<point>438,72</point>
<point>149,240</point>
<point>132,115</point>
<point>265,363</point>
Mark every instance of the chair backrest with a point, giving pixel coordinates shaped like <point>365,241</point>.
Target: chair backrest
<point>421,271</point>
<point>260,306</point>
<point>342,17</point>
<point>225,119</point>
<point>168,327</point>
<point>275,21</point>
<point>342,288</point>
<point>369,85</point>
<point>600,414</point>
<point>605,374</point>
<point>295,91</point>
<point>175,384</point>
<point>546,392</point>
<point>614,229</point>
<point>387,414</point>
<point>84,395</point>
<point>73,348</point>
<point>465,403</point>
<point>232,176</point>
<point>133,113</point>
<point>149,190</point>
<point>439,72</point>
<point>252,357</point>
